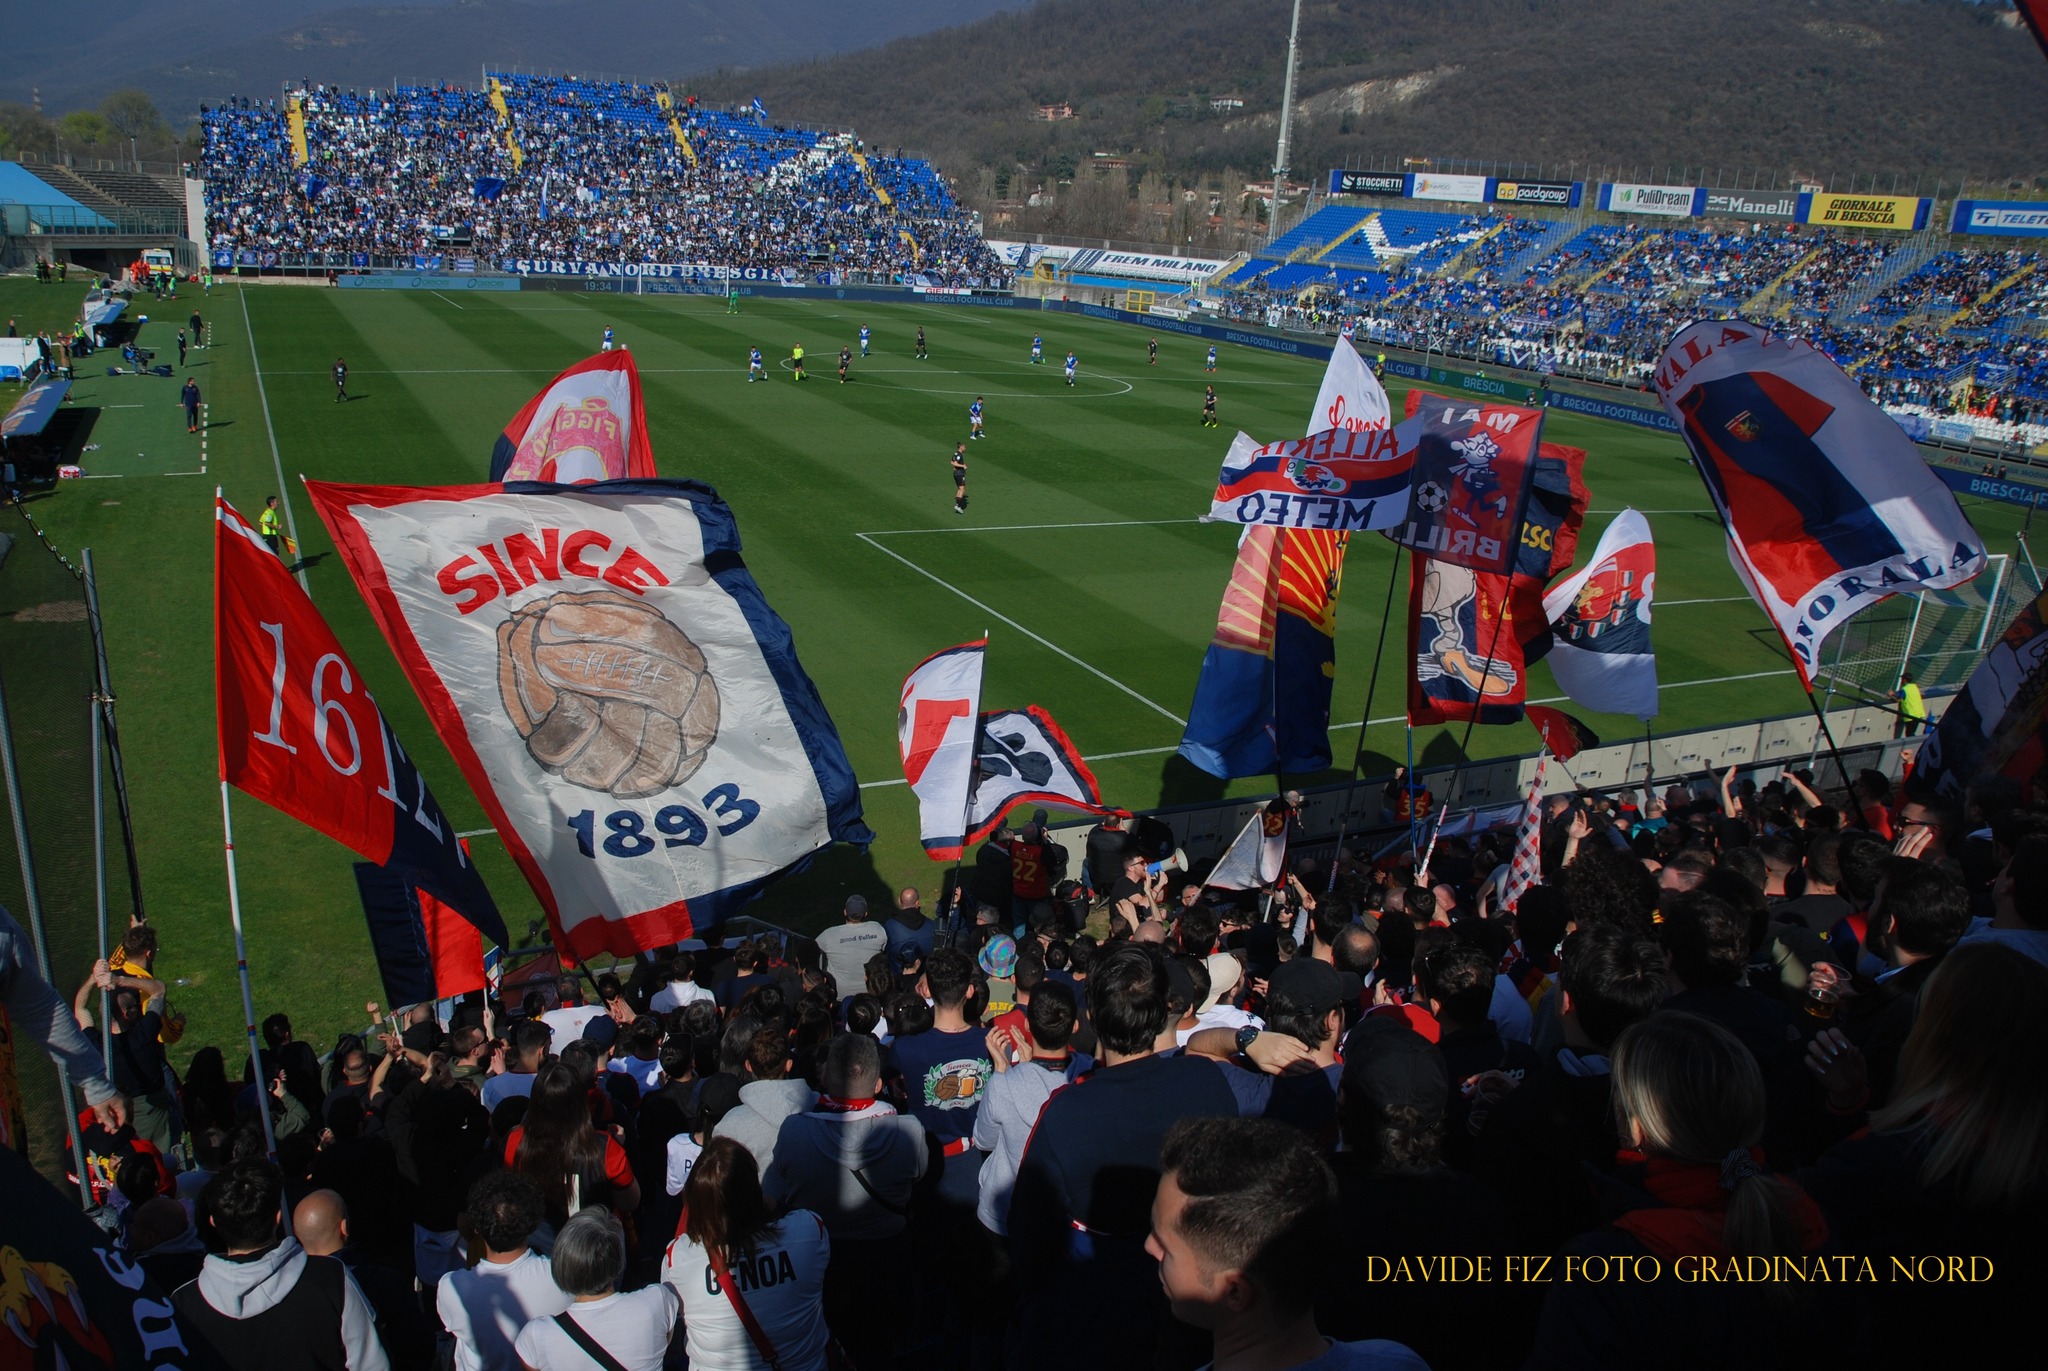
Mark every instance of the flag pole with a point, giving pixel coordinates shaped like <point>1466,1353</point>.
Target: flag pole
<point>1365,720</point>
<point>1855,809</point>
<point>227,834</point>
<point>967,805</point>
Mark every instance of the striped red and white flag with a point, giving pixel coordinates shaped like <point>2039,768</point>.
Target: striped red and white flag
<point>1526,867</point>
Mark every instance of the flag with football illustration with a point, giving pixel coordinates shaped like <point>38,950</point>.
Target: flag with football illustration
<point>616,688</point>
<point>1828,505</point>
<point>1474,462</point>
<point>1022,757</point>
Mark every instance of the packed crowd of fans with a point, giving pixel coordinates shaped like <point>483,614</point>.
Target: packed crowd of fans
<point>1757,1045</point>
<point>574,170</point>
<point>1608,298</point>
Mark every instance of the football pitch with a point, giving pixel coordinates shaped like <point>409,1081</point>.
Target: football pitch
<point>1080,556</point>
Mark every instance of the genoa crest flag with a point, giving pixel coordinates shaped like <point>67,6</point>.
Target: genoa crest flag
<point>616,688</point>
<point>588,425</point>
<point>1997,725</point>
<point>299,731</point>
<point>1599,622</point>
<point>1473,466</point>
<point>1828,506</point>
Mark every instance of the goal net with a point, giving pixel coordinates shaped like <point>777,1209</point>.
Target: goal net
<point>1938,635</point>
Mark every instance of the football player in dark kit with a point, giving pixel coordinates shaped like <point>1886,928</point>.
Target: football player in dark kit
<point>959,478</point>
<point>1208,406</point>
<point>920,343</point>
<point>845,361</point>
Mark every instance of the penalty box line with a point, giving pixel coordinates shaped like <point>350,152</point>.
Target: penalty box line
<point>871,540</point>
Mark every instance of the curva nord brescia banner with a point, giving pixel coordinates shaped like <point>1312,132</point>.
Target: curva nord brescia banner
<point>616,688</point>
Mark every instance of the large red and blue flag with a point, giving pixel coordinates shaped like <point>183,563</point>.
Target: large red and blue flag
<point>1828,506</point>
<point>588,425</point>
<point>1262,701</point>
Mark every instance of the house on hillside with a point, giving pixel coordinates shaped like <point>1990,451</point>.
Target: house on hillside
<point>1054,113</point>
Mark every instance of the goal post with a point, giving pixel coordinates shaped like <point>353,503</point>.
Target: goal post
<point>1937,635</point>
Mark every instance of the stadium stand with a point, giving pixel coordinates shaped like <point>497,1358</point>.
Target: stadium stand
<point>556,167</point>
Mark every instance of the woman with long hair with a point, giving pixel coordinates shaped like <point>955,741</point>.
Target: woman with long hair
<point>732,1253</point>
<point>1694,1202</point>
<point>1956,1162</point>
<point>574,1165</point>
<point>206,1098</point>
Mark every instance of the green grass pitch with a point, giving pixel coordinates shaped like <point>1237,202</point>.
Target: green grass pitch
<point>1080,556</point>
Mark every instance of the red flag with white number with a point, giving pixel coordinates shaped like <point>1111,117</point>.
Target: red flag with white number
<point>300,732</point>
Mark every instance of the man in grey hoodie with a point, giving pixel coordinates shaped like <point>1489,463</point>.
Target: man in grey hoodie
<point>261,1303</point>
<point>767,1099</point>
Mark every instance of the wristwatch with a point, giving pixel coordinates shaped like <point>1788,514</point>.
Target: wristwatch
<point>1246,1036</point>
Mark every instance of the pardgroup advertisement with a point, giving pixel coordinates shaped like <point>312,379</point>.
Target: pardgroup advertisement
<point>1552,194</point>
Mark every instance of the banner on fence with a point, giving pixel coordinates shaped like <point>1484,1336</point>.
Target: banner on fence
<point>1437,186</point>
<point>2003,218</point>
<point>1368,182</point>
<point>1549,194</point>
<point>1668,202</point>
<point>1897,213</point>
<point>1782,206</point>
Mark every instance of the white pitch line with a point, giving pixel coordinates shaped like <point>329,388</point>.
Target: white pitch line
<point>993,613</point>
<point>284,493</point>
<point>1389,719</point>
<point>439,296</point>
<point>1719,600</point>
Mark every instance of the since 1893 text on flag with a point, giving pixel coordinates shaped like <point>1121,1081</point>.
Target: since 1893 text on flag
<point>1828,506</point>
<point>615,687</point>
<point>300,732</point>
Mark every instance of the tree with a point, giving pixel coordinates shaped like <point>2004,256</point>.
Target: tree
<point>131,114</point>
<point>24,130</point>
<point>83,126</point>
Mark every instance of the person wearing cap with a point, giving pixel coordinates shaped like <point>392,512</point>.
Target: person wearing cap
<point>847,948</point>
<point>1306,1001</point>
<point>1395,1196</point>
<point>1226,976</point>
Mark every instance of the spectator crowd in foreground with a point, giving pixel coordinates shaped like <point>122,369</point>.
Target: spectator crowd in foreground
<point>1736,1060</point>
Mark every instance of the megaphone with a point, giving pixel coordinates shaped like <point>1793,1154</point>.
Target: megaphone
<point>1177,862</point>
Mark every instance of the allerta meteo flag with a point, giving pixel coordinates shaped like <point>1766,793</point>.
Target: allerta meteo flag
<point>1829,508</point>
<point>1339,479</point>
<point>613,683</point>
<point>1262,701</point>
<point>299,731</point>
<point>588,425</point>
<point>1023,757</point>
<point>937,734</point>
<point>1600,624</point>
<point>1473,465</point>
